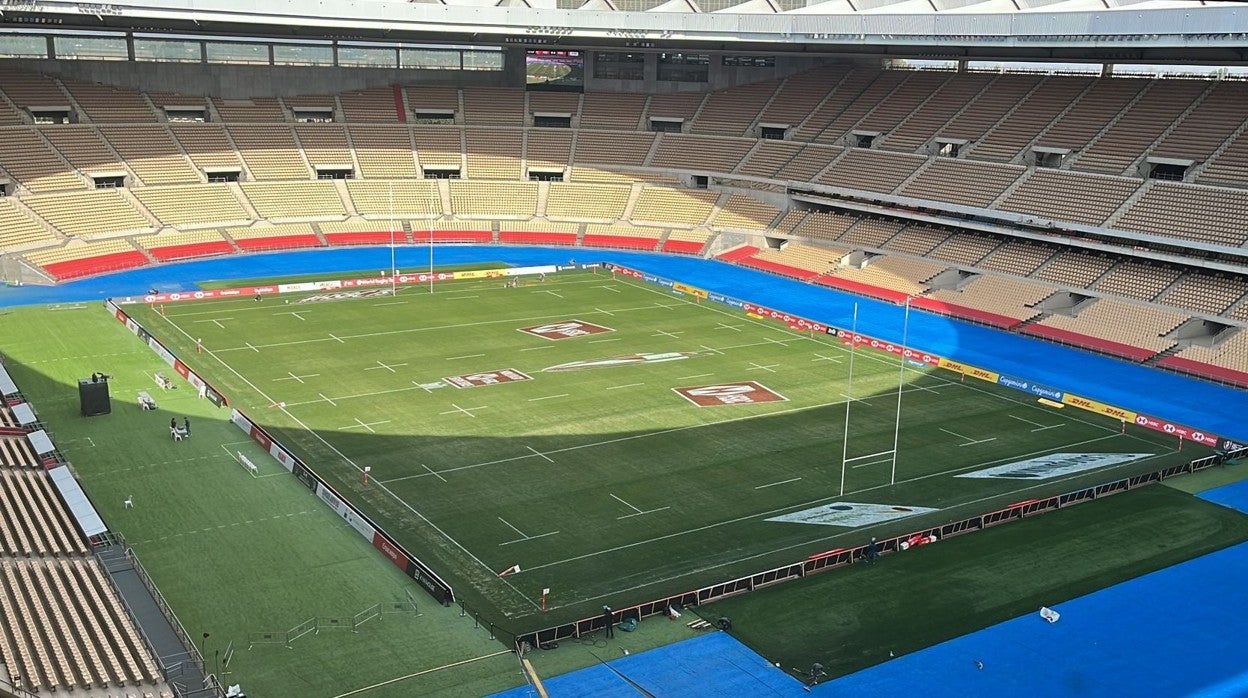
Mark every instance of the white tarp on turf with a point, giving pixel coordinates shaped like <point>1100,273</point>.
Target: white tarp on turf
<point>40,441</point>
<point>851,514</point>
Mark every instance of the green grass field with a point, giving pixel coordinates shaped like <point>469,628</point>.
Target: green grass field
<point>854,618</point>
<point>236,554</point>
<point>604,484</point>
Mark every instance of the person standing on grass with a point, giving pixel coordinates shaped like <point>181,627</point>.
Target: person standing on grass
<point>186,425</point>
<point>173,427</point>
<point>609,618</point>
<point>873,552</point>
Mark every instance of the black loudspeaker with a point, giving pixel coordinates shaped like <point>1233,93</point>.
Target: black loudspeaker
<point>94,397</point>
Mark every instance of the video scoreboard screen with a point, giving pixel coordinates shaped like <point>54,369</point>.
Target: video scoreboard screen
<point>560,70</point>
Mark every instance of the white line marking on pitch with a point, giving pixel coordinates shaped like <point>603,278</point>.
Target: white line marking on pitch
<point>636,511</point>
<point>465,356</point>
<point>457,298</point>
<point>327,399</point>
<point>293,377</point>
<point>665,333</point>
<point>545,346</point>
<point>605,312</point>
<point>855,399</point>
<point>385,366</point>
<point>433,472</point>
<point>1034,424</point>
<point>217,321</point>
<point>773,484</point>
<point>599,341</point>
<point>756,367</point>
<point>608,288</point>
<point>1051,426</point>
<point>547,397</point>
<point>466,410</point>
<point>367,425</point>
<point>710,349</point>
<point>337,338</point>
<point>969,440</point>
<point>556,295</point>
<point>251,347</point>
<point>618,387</point>
<point>734,328</point>
<point>1038,425</point>
<point>821,357</point>
<point>874,462</point>
<point>543,455</point>
<point>293,313</point>
<point>378,305</point>
<point>699,375</point>
<point>523,536</point>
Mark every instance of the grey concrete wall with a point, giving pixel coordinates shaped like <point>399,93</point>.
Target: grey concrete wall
<point>242,81</point>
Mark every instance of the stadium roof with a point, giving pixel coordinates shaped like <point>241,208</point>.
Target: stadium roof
<point>1100,30</point>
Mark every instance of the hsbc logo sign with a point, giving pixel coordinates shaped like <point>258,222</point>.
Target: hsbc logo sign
<point>747,393</point>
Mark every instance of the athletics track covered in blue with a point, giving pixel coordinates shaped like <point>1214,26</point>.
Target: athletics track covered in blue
<point>1175,632</point>
<point>1212,408</point>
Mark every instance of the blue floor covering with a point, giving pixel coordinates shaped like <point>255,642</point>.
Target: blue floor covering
<point>1195,403</point>
<point>1233,496</point>
<point>1175,632</point>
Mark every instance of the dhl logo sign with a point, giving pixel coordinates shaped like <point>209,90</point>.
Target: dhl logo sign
<point>972,371</point>
<point>691,290</point>
<point>1090,405</point>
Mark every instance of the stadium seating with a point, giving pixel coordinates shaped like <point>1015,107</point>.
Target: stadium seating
<point>1017,258</point>
<point>686,208</point>
<point>1137,280</point>
<point>1090,113</point>
<point>681,241</point>
<point>1064,196</point>
<point>1008,138</point>
<point>515,200</point>
<point>613,148</point>
<point>1139,125</point>
<point>962,182</point>
<point>25,156</point>
<point>79,259</point>
<point>586,202</point>
<point>275,201</point>
<point>494,106</point>
<point>1226,362</point>
<point>494,153</point>
<point>173,245</point>
<point>514,232</point>
<point>925,122</point>
<point>1121,328</point>
<point>731,112</point>
<point>871,232</point>
<point>871,170</point>
<point>270,151</point>
<point>19,230</point>
<point>548,149</point>
<point>626,237</point>
<point>384,151</point>
<point>606,110</point>
<point>1183,211</point>
<point>374,104</point>
<point>274,237</point>
<point>194,205</point>
<point>991,300</point>
<point>103,213</point>
<point>207,146</point>
<point>150,151</point>
<point>362,232</point>
<point>440,146</point>
<point>699,153</point>
<point>742,212</point>
<point>401,198</point>
<point>1074,268</point>
<point>324,145</point>
<point>965,249</point>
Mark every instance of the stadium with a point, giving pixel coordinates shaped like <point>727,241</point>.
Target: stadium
<point>623,347</point>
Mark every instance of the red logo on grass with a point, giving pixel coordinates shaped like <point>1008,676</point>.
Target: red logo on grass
<point>747,393</point>
<point>476,380</point>
<point>566,329</point>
